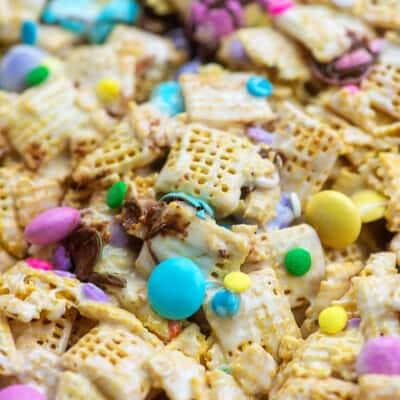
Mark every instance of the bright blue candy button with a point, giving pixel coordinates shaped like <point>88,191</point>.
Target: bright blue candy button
<point>29,32</point>
<point>259,87</point>
<point>225,303</point>
<point>176,288</point>
<point>167,97</point>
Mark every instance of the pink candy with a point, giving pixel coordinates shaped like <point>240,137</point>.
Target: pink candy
<point>376,45</point>
<point>21,392</point>
<point>276,7</point>
<point>380,356</point>
<point>353,59</point>
<point>37,263</point>
<point>353,89</point>
<point>52,225</point>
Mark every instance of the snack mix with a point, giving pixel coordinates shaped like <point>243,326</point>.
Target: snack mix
<point>199,200</point>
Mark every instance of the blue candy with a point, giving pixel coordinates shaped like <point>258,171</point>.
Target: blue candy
<point>190,67</point>
<point>259,87</point>
<point>202,207</point>
<point>16,64</point>
<point>167,97</point>
<point>176,288</point>
<point>225,303</point>
<point>29,32</point>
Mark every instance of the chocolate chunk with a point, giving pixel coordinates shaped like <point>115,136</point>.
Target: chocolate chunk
<point>130,214</point>
<point>107,279</point>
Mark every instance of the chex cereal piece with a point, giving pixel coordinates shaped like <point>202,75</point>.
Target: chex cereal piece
<point>80,328</point>
<point>214,357</point>
<point>215,249</point>
<point>382,14</point>
<point>383,88</point>
<point>40,120</point>
<point>26,293</point>
<point>120,153</point>
<point>221,99</point>
<point>301,290</point>
<point>11,234</point>
<point>113,356</point>
<point>56,40</point>
<point>9,358</point>
<point>179,376</point>
<point>264,317</point>
<point>348,182</point>
<point>310,149</point>
<point>33,195</point>
<point>379,387</point>
<point>322,356</point>
<point>314,26</point>
<point>380,264</point>
<point>77,387</point>
<point>203,163</point>
<point>223,386</point>
<point>336,283</point>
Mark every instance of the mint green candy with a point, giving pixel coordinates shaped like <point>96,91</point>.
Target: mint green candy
<point>116,194</point>
<point>37,75</point>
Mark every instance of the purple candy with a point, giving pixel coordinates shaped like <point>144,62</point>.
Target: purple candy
<point>353,323</point>
<point>179,39</point>
<point>92,292</point>
<point>65,274</point>
<point>380,356</point>
<point>52,225</point>
<point>237,51</point>
<point>119,238</point>
<point>61,259</point>
<point>16,64</point>
<point>21,392</point>
<point>260,135</point>
<point>190,67</point>
<point>284,214</point>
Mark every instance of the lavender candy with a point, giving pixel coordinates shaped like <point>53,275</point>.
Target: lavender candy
<point>237,52</point>
<point>92,292</point>
<point>284,215</point>
<point>353,323</point>
<point>190,67</point>
<point>260,135</point>
<point>65,274</point>
<point>61,260</point>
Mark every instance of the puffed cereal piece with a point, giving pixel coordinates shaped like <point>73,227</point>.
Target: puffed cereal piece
<point>310,149</point>
<point>264,317</point>
<point>381,14</point>
<point>10,362</point>
<point>204,164</point>
<point>379,387</point>
<point>77,387</point>
<point>179,376</point>
<point>215,249</point>
<point>223,386</point>
<point>118,356</point>
<point>222,99</point>
<point>314,26</point>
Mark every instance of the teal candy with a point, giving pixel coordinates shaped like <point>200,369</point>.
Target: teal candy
<point>29,32</point>
<point>201,206</point>
<point>167,97</point>
<point>225,303</point>
<point>259,87</point>
<point>176,288</point>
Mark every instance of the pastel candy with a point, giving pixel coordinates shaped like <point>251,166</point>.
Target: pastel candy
<point>37,263</point>
<point>21,392</point>
<point>52,225</point>
<point>353,59</point>
<point>380,356</point>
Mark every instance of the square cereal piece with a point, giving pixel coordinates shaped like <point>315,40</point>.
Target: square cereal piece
<point>221,99</point>
<point>223,386</point>
<point>264,317</point>
<point>10,363</point>
<point>310,149</point>
<point>204,163</point>
<point>379,387</point>
<point>77,387</point>
<point>315,26</point>
<point>381,14</point>
<point>179,376</point>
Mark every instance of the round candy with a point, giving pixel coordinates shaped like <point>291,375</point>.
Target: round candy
<point>225,303</point>
<point>108,90</point>
<point>92,292</point>
<point>37,75</point>
<point>297,261</point>
<point>167,97</point>
<point>29,32</point>
<point>259,87</point>
<point>116,194</point>
<point>190,67</point>
<point>37,263</point>
<point>259,135</point>
<point>61,260</point>
<point>380,356</point>
<point>52,225</point>
<point>353,323</point>
<point>276,7</point>
<point>237,282</point>
<point>371,204</point>
<point>21,392</point>
<point>335,218</point>
<point>332,319</point>
<point>16,64</point>
<point>176,288</point>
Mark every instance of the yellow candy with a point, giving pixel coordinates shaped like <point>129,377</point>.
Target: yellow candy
<point>332,319</point>
<point>371,204</point>
<point>335,218</point>
<point>107,90</point>
<point>237,282</point>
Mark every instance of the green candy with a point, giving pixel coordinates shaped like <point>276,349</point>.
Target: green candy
<point>297,261</point>
<point>116,194</point>
<point>37,75</point>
